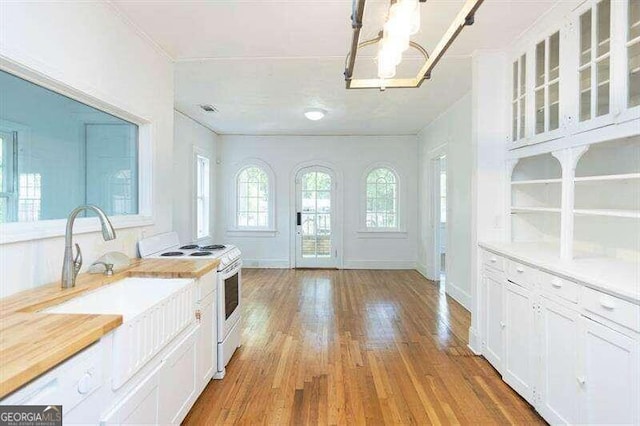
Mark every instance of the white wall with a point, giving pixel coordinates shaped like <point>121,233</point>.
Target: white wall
<point>190,136</point>
<point>450,134</point>
<point>350,155</point>
<point>88,48</point>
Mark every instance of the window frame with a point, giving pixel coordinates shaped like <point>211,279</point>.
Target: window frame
<point>29,231</point>
<point>202,157</point>
<point>235,228</point>
<point>399,230</point>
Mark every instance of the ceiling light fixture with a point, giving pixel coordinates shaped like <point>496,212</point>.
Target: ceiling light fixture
<point>394,39</point>
<point>315,114</point>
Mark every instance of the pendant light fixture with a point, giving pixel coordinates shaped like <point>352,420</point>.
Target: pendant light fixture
<point>394,39</point>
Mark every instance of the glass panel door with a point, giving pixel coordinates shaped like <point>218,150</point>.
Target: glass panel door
<point>314,236</point>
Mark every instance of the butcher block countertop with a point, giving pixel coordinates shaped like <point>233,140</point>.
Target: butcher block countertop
<point>31,342</point>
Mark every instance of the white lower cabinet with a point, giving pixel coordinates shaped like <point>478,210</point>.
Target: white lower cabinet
<point>493,284</point>
<point>576,361</point>
<point>609,376</point>
<point>517,365</point>
<point>140,406</point>
<point>177,382</point>
<point>207,354</point>
<point>558,330</point>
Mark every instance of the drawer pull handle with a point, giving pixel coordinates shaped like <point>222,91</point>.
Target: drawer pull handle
<point>556,283</point>
<point>519,270</point>
<point>607,304</point>
<point>494,260</point>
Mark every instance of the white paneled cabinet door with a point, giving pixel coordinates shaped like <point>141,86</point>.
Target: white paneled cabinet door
<point>178,382</point>
<point>494,323</point>
<point>518,357</point>
<point>609,377</point>
<point>558,326</point>
<point>138,407</point>
<point>206,357</point>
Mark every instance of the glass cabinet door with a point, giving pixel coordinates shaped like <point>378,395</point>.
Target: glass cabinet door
<point>594,62</point>
<point>633,53</point>
<point>547,84</point>
<point>519,99</point>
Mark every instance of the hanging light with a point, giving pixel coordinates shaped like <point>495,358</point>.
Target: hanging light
<point>403,21</point>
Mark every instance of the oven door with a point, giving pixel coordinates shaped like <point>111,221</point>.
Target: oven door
<point>229,294</point>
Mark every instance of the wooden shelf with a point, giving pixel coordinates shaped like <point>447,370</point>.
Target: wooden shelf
<point>535,181</point>
<point>625,176</point>
<point>633,214</point>
<point>534,210</point>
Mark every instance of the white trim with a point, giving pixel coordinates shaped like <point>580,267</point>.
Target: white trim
<point>401,199</point>
<point>459,295</point>
<point>265,263</point>
<point>252,233</point>
<point>207,154</point>
<point>379,264</point>
<point>423,270</point>
<point>24,231</point>
<point>434,200</point>
<point>232,203</point>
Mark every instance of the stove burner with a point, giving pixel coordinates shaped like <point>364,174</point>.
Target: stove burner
<point>201,253</point>
<point>172,254</point>
<point>213,247</point>
<point>190,247</point>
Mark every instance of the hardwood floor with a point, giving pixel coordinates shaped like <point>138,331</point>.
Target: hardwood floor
<point>355,347</point>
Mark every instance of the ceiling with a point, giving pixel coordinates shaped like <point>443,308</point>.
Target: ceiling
<point>262,63</point>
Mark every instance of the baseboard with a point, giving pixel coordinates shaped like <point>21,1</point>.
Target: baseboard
<point>265,263</point>
<point>459,295</point>
<point>474,341</point>
<point>424,271</point>
<point>379,264</point>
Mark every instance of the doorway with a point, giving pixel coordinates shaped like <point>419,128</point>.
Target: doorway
<point>315,218</point>
<point>440,217</point>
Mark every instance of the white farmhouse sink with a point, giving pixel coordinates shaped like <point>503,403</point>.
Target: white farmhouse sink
<point>128,297</point>
<point>154,311</point>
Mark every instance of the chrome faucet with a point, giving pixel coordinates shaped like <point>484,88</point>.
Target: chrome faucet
<point>71,265</point>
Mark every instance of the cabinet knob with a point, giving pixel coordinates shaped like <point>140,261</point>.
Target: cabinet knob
<point>494,260</point>
<point>84,384</point>
<point>607,304</point>
<point>520,270</point>
<point>502,324</point>
<point>581,381</point>
<point>556,283</point>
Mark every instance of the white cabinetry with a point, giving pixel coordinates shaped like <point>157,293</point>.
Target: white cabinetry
<point>609,378</point>
<point>206,359</point>
<point>493,283</point>
<point>178,388</point>
<point>517,368</point>
<point>558,331</point>
<point>572,351</point>
<point>140,406</point>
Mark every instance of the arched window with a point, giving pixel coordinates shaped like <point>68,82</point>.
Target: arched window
<point>381,199</point>
<point>252,198</point>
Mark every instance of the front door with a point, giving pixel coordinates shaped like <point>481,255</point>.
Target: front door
<point>315,195</point>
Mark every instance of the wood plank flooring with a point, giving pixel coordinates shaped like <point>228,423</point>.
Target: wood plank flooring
<point>355,347</point>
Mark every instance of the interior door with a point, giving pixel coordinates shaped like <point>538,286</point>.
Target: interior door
<point>315,218</point>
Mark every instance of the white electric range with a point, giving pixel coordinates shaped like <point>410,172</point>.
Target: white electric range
<point>229,285</point>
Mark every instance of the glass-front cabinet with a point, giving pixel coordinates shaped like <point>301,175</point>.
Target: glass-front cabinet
<point>594,65</point>
<point>632,53</point>
<point>519,99</point>
<point>547,85</point>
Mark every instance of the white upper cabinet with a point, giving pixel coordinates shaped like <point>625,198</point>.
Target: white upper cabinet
<point>577,71</point>
<point>519,99</point>
<point>547,85</point>
<point>595,95</point>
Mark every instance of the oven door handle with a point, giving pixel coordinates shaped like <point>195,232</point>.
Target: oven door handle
<point>232,267</point>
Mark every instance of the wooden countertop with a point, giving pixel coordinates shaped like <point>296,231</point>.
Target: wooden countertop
<point>32,342</point>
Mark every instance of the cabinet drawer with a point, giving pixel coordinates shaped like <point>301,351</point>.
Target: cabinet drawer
<point>559,287</point>
<point>492,260</point>
<point>617,310</point>
<point>520,274</point>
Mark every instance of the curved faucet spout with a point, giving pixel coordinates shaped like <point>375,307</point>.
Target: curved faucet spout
<point>71,265</point>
